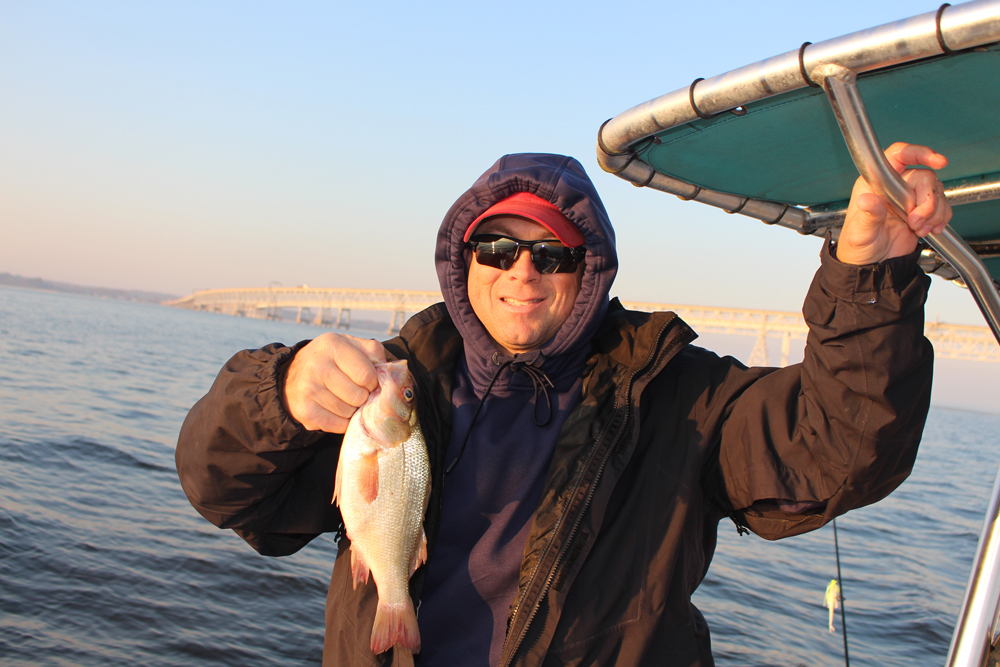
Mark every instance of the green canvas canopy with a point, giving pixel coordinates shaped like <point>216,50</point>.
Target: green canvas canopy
<point>781,157</point>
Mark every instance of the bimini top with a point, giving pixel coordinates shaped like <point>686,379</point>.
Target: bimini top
<point>764,142</point>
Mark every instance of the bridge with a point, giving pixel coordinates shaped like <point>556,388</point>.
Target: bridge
<point>327,307</point>
<point>332,307</point>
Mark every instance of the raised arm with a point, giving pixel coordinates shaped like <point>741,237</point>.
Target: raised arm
<point>840,430</point>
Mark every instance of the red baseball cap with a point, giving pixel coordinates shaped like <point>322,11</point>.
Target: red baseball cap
<point>536,209</point>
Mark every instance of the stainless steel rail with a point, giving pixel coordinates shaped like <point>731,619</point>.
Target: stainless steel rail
<point>960,27</point>
<point>952,28</point>
<point>958,191</point>
<point>973,635</point>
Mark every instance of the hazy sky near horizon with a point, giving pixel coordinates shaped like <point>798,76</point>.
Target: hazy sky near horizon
<point>186,145</point>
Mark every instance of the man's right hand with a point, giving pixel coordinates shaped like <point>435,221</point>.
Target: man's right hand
<point>329,379</point>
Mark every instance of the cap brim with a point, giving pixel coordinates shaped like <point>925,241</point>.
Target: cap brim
<point>550,218</point>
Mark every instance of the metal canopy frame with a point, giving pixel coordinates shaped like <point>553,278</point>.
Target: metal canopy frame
<point>834,65</point>
<point>948,30</point>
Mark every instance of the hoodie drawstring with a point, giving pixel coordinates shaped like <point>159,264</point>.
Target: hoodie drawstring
<point>539,381</point>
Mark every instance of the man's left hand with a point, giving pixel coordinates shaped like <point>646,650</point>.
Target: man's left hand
<point>872,232</point>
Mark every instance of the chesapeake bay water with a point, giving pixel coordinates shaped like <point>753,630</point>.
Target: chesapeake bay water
<point>104,562</point>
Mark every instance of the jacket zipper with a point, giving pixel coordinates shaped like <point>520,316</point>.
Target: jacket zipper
<point>590,495</point>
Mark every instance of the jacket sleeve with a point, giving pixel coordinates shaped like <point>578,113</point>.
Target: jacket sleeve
<point>246,464</point>
<point>806,443</point>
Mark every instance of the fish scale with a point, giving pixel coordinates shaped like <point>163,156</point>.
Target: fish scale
<point>388,526</point>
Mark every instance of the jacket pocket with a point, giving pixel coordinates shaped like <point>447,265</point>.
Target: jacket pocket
<point>350,615</point>
<point>605,597</point>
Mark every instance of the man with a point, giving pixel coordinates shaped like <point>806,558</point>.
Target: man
<point>582,455</point>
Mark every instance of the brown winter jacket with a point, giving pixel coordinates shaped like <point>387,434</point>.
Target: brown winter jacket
<point>666,440</point>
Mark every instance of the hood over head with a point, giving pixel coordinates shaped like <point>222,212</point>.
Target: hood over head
<point>561,181</point>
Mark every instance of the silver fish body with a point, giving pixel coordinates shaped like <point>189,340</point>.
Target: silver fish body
<point>382,489</point>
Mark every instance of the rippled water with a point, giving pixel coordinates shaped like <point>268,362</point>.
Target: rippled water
<point>103,562</point>
<point>905,564</point>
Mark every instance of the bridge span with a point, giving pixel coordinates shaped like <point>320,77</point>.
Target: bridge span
<point>320,306</point>
<point>332,307</point>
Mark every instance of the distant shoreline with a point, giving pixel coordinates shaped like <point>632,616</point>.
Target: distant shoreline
<point>14,280</point>
<point>140,296</point>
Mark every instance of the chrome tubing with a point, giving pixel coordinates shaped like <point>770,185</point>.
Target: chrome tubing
<point>845,98</point>
<point>951,28</point>
<point>841,86</point>
<point>970,644</point>
<point>959,191</point>
<point>963,26</point>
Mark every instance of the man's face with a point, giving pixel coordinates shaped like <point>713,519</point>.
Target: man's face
<point>520,308</point>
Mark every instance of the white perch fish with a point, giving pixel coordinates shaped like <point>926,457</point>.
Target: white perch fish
<point>382,489</point>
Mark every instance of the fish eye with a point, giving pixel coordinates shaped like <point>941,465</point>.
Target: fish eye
<point>408,394</point>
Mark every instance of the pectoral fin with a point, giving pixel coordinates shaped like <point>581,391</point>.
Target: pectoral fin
<point>359,568</point>
<point>336,483</point>
<point>368,477</point>
<point>421,556</point>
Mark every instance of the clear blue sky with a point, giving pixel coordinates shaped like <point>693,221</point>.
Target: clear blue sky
<point>176,146</point>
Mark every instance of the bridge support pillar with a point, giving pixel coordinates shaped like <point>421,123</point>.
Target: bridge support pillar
<point>318,320</point>
<point>786,347</point>
<point>398,318</point>
<point>344,318</point>
<point>758,356</point>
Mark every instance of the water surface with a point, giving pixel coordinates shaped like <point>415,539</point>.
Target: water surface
<point>104,562</point>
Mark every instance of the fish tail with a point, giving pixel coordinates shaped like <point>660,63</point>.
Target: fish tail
<point>395,624</point>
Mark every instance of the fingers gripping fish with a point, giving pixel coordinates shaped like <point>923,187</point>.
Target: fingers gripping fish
<point>382,488</point>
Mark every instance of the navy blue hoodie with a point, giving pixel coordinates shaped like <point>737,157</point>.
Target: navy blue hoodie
<point>492,491</point>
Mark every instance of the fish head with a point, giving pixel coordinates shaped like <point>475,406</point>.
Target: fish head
<point>396,412</point>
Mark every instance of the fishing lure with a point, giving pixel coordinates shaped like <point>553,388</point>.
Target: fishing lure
<point>832,599</point>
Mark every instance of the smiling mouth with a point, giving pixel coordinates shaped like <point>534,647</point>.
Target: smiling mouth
<point>517,302</point>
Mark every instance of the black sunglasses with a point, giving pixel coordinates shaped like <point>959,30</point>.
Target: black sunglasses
<point>549,256</point>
